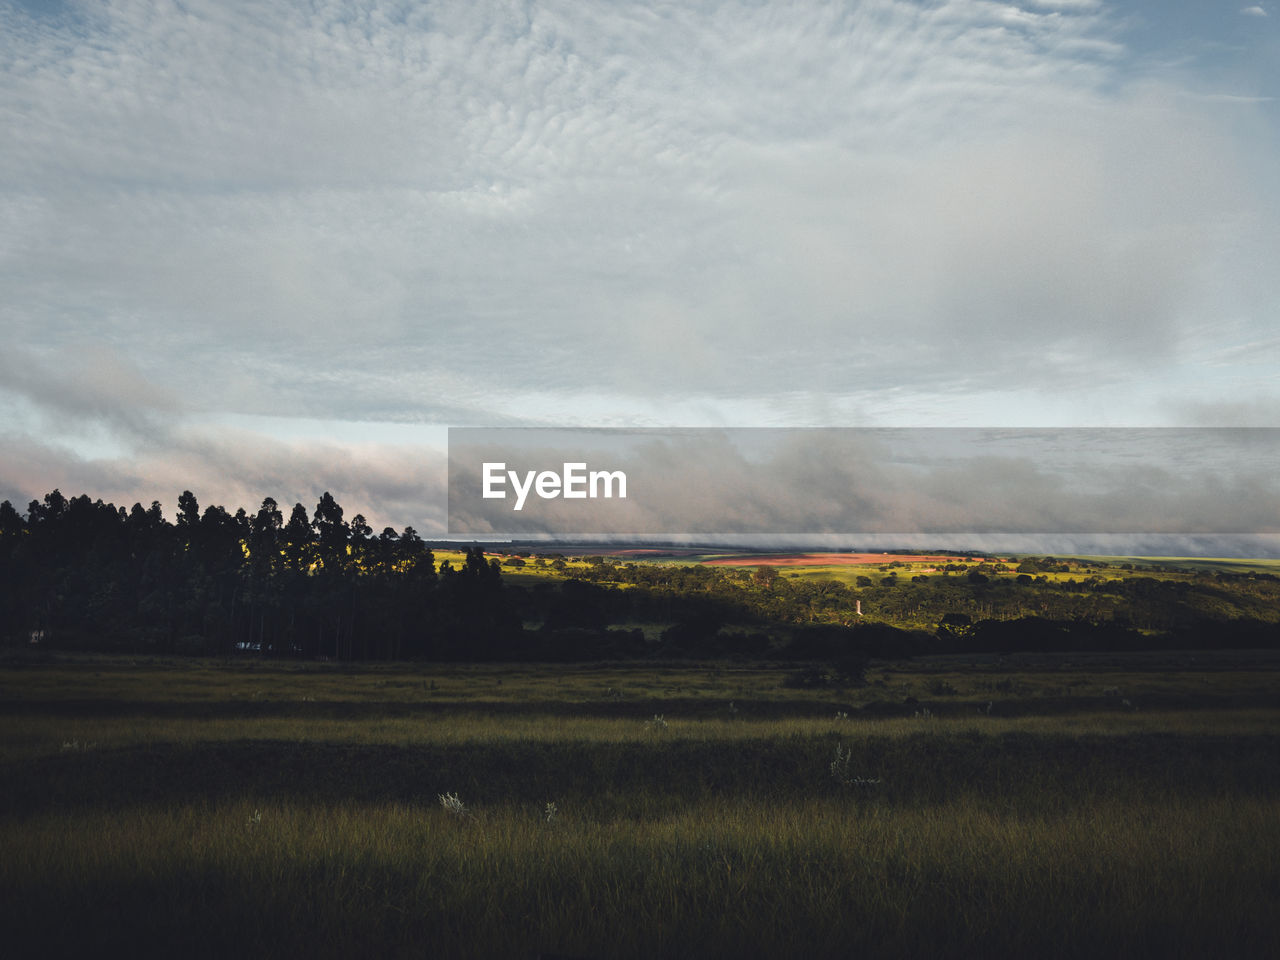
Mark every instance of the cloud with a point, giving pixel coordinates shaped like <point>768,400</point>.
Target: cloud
<point>852,482</point>
<point>390,485</point>
<point>1259,410</point>
<point>627,212</point>
<point>1069,5</point>
<point>1254,11</point>
<point>421,203</point>
<point>80,385</point>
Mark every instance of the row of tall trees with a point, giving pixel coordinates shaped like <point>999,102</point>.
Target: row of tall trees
<point>87,574</point>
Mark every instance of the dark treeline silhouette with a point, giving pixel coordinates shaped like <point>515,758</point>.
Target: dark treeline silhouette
<point>83,574</point>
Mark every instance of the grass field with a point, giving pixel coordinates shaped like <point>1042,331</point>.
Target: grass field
<point>1086,807</point>
<point>1211,564</point>
<point>847,569</point>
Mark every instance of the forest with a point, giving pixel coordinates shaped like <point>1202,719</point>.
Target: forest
<point>81,574</point>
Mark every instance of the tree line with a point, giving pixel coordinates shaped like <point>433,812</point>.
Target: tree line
<point>80,573</point>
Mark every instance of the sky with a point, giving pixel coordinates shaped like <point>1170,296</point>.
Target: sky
<point>263,249</point>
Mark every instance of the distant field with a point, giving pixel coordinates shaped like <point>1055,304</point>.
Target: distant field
<point>915,591</point>
<point>828,559</point>
<point>835,558</point>
<point>1224,564</point>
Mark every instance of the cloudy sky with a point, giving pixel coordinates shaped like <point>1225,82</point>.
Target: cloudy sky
<point>274,248</point>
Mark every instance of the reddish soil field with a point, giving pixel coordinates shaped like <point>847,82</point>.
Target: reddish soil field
<point>629,552</point>
<point>828,559</point>
<point>572,550</point>
<point>651,552</point>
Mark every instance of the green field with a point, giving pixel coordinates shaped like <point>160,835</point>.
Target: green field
<point>1211,564</point>
<point>1085,806</point>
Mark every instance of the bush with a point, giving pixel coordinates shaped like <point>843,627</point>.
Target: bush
<point>848,671</point>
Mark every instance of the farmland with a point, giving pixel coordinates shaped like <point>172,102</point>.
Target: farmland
<point>721,604</point>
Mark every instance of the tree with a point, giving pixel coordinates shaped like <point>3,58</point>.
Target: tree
<point>766,575</point>
<point>266,565</point>
<point>331,534</point>
<point>298,540</point>
<point>10,520</point>
<point>188,514</point>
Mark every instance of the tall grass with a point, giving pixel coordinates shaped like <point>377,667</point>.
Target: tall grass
<point>825,878</point>
<point>1103,832</point>
<point>264,684</point>
<point>29,737</point>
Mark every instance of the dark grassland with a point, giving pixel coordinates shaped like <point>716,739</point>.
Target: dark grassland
<point>1055,807</point>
